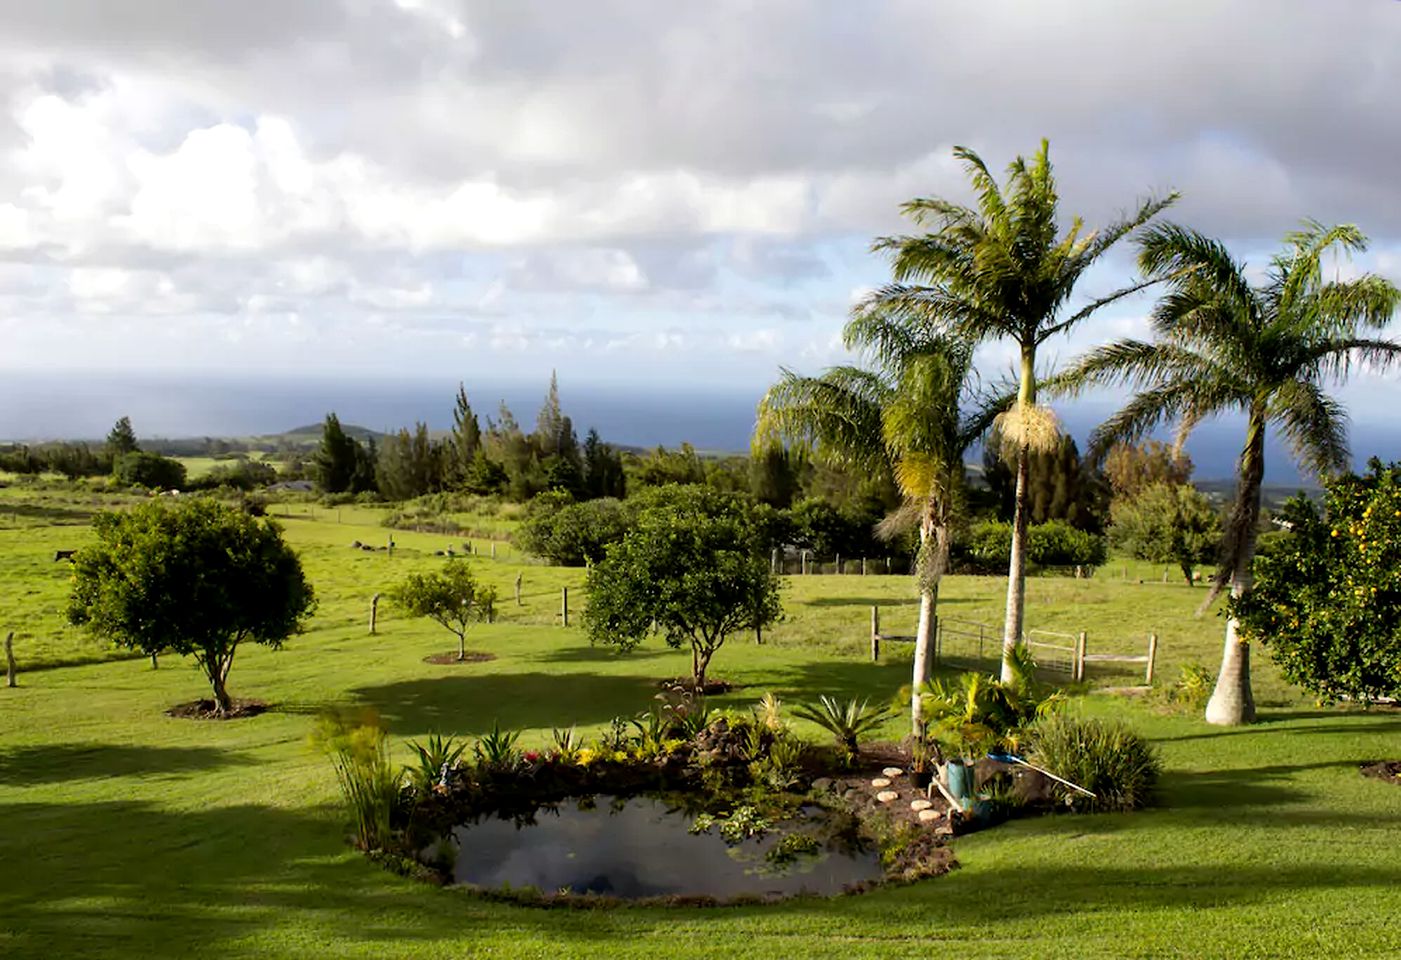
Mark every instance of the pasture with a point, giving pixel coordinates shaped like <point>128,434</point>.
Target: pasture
<point>126,833</point>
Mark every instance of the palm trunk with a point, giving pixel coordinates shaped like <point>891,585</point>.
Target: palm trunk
<point>929,577</point>
<point>1015,613</point>
<point>1232,703</point>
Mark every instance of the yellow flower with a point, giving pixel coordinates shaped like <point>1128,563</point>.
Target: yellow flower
<point>585,757</point>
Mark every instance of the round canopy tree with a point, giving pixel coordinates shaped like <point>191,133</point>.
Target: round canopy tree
<point>1327,598</point>
<point>451,598</point>
<point>693,566</point>
<point>196,577</point>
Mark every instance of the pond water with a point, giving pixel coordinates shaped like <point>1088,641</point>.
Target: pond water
<point>643,847</point>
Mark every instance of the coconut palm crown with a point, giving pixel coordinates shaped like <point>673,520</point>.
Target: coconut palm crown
<point>1268,351</point>
<point>1002,269</point>
<point>902,416</point>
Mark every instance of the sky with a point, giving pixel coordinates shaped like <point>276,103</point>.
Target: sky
<point>638,195</point>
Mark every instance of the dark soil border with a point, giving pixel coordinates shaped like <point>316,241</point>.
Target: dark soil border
<point>450,658</point>
<point>1387,771</point>
<point>712,687</point>
<point>205,710</point>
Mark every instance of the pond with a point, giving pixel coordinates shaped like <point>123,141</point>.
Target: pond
<point>644,847</point>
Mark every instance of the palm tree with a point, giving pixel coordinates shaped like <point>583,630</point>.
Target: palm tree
<point>1002,270</point>
<point>899,418</point>
<point>1223,345</point>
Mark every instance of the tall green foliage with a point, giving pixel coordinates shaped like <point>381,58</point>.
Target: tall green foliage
<point>1267,351</point>
<point>1166,523</point>
<point>196,577</point>
<point>693,568</point>
<point>1327,598</point>
<point>1001,270</point>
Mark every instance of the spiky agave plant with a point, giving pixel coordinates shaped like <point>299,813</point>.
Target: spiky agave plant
<point>846,721</point>
<point>436,760</point>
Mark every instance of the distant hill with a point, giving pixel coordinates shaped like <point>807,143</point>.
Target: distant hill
<point>314,432</point>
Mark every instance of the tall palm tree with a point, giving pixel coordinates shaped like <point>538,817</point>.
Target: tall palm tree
<point>1268,351</point>
<point>1003,270</point>
<point>901,417</point>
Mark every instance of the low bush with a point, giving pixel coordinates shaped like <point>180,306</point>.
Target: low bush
<point>986,547</point>
<point>572,534</point>
<point>1118,766</point>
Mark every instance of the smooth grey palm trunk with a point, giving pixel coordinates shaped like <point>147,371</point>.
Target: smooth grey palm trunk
<point>1232,702</point>
<point>1016,571</point>
<point>928,606</point>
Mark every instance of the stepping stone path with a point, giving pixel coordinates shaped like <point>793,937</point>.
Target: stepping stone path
<point>885,796</point>
<point>927,815</point>
<point>881,782</point>
<point>891,772</point>
<point>920,804</point>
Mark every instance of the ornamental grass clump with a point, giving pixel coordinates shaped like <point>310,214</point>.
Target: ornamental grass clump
<point>1118,766</point>
<point>370,784</point>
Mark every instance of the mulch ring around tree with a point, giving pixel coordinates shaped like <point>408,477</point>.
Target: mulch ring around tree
<point>688,685</point>
<point>205,710</point>
<point>451,657</point>
<point>1387,771</point>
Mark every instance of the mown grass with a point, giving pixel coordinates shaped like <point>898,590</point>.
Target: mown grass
<point>124,833</point>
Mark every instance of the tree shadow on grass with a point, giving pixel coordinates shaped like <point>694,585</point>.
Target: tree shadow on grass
<point>599,654</point>
<point>135,880</point>
<point>472,704</point>
<point>61,763</point>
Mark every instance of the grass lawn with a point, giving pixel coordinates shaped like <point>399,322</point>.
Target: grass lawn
<point>125,833</point>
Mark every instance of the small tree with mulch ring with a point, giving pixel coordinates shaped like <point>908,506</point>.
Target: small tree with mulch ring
<point>451,598</point>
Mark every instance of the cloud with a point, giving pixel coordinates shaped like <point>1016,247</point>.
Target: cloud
<point>491,183</point>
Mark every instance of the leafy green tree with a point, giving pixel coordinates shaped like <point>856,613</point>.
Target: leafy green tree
<point>451,598</point>
<point>75,460</point>
<point>572,534</point>
<point>902,416</point>
<point>603,469</point>
<point>508,446</point>
<point>1222,345</point>
<point>152,470</point>
<point>693,567</point>
<point>466,439</point>
<point>663,467</point>
<point>775,474</point>
<point>1167,523</point>
<point>336,459</point>
<point>196,577</point>
<point>485,476</point>
<point>1130,467</point>
<point>122,439</point>
<point>410,465</point>
<point>1327,598</point>
<point>1060,486</point>
<point>1002,270</point>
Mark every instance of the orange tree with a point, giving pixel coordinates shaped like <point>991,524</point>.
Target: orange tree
<point>1327,597</point>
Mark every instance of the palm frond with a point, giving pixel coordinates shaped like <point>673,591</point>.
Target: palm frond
<point>1314,424</point>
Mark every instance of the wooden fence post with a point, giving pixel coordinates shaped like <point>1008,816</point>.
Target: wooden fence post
<point>887,566</point>
<point>863,566</point>
<point>518,589</point>
<point>805,562</point>
<point>837,567</point>
<point>875,633</point>
<point>980,641</point>
<point>493,549</point>
<point>1081,642</point>
<point>564,605</point>
<point>11,671</point>
<point>374,613</point>
<point>1152,657</point>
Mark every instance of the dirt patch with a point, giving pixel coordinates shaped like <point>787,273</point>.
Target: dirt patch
<point>1387,771</point>
<point>451,657</point>
<point>205,710</point>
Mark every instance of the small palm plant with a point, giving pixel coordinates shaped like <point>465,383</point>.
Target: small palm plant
<point>845,721</point>
<point>497,750</point>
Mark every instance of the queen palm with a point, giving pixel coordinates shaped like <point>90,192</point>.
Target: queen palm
<point>1222,345</point>
<point>1002,270</point>
<point>900,417</point>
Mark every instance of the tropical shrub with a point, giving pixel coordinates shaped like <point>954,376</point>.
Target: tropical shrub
<point>572,534</point>
<point>151,470</point>
<point>986,547</point>
<point>846,721</point>
<point>1167,524</point>
<point>437,759</point>
<point>979,713</point>
<point>1119,767</point>
<point>1327,598</point>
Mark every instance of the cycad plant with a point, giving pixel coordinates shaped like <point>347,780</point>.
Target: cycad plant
<point>436,760</point>
<point>846,721</point>
<point>901,416</point>
<point>977,713</point>
<point>1001,270</point>
<point>1223,345</point>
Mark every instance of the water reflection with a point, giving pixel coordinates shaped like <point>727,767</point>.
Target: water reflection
<point>641,847</point>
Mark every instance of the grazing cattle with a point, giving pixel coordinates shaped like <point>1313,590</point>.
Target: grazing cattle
<point>64,555</point>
